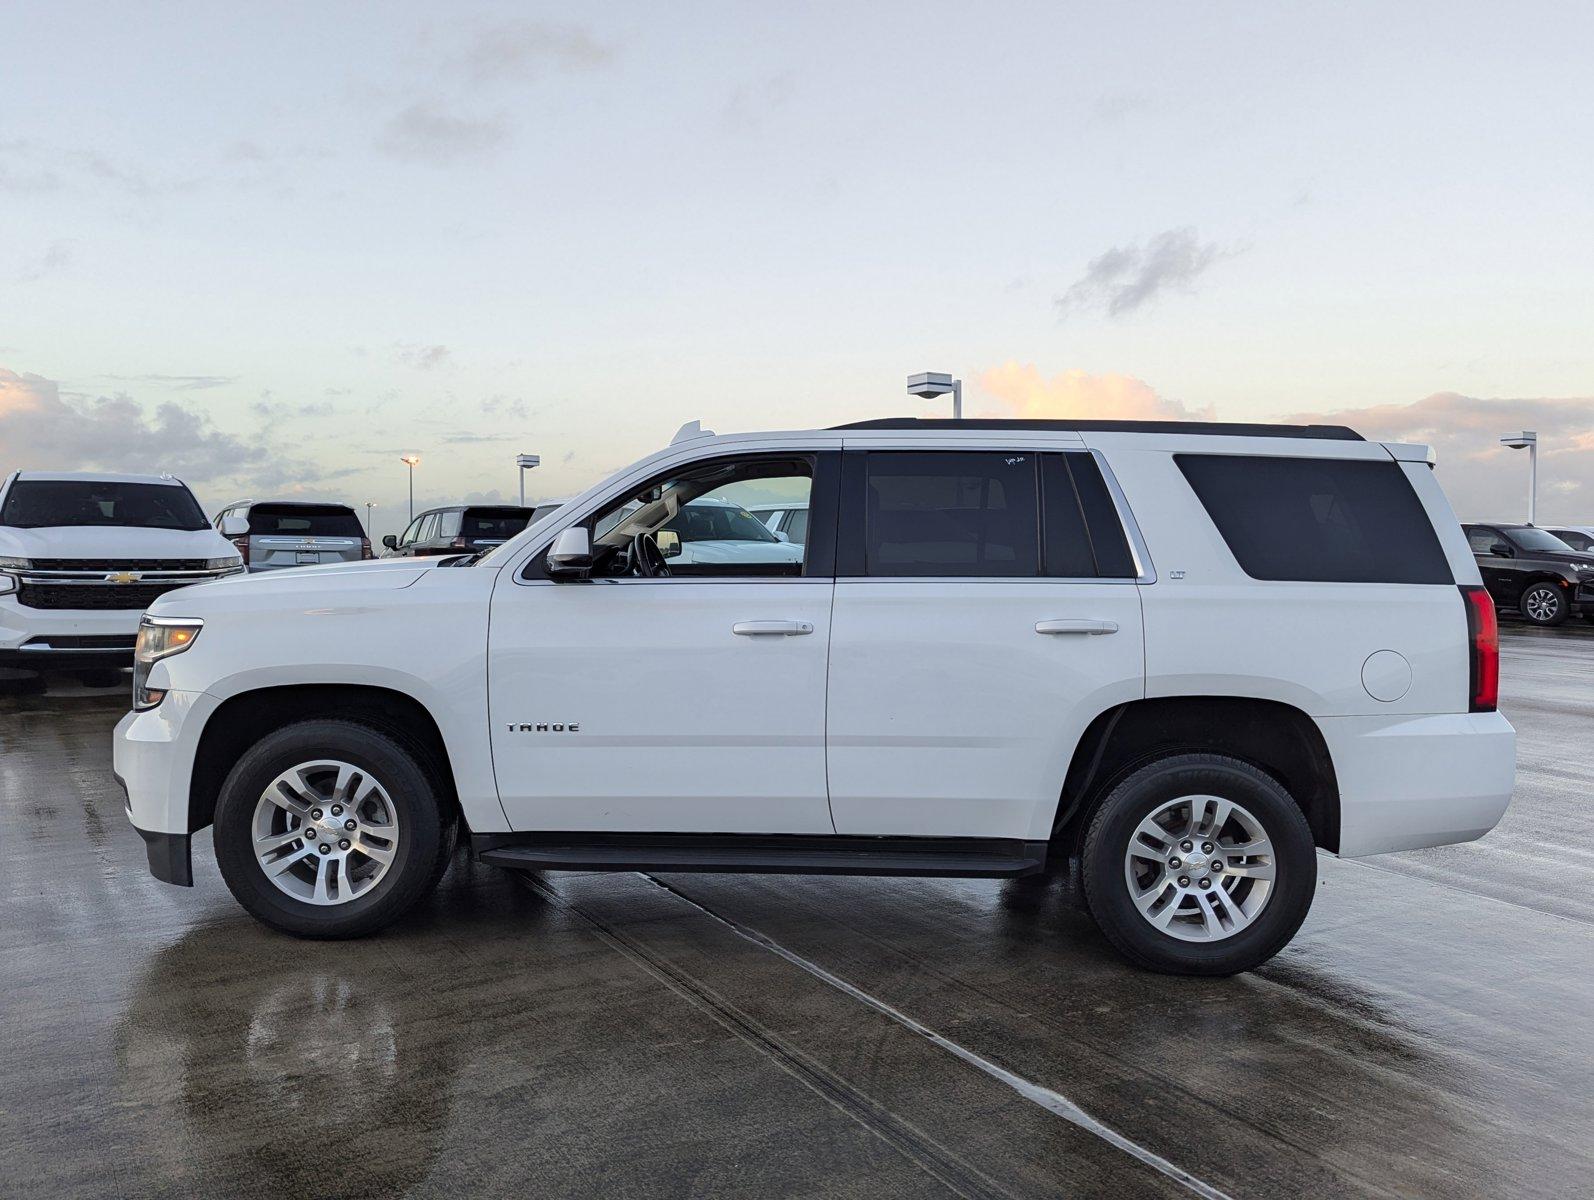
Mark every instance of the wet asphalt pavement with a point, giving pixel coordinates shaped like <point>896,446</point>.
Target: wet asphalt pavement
<point>1430,1032</point>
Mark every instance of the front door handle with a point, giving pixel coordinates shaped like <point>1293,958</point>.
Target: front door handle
<point>772,628</point>
<point>1076,626</point>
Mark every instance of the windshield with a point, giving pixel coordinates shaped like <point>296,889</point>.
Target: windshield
<point>305,520</point>
<point>1537,539</point>
<point>698,522</point>
<point>43,503</point>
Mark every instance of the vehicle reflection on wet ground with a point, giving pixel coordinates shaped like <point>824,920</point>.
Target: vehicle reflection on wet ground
<point>1430,1032</point>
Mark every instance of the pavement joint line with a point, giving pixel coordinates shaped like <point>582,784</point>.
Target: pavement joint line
<point>958,1175</point>
<point>1053,1101</point>
<point>1452,887</point>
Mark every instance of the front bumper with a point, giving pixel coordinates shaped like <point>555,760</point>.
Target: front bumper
<point>153,759</point>
<point>55,637</point>
<point>1416,781</point>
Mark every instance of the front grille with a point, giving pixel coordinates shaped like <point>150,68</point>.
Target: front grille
<point>118,564</point>
<point>110,641</point>
<point>96,596</point>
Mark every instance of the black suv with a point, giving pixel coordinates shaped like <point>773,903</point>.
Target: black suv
<point>457,529</point>
<point>1534,572</point>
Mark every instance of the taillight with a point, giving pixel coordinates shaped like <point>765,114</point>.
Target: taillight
<point>460,543</point>
<point>365,548</point>
<point>242,543</point>
<point>1483,642</point>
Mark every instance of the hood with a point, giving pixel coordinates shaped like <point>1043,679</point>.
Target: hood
<point>333,582</point>
<point>112,541</point>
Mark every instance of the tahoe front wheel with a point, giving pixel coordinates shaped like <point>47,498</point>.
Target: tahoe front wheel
<point>1199,864</point>
<point>331,829</point>
<point>1543,604</point>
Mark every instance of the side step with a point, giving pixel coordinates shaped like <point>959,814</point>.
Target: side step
<point>774,854</point>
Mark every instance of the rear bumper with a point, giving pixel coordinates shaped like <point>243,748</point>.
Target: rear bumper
<point>1410,782</point>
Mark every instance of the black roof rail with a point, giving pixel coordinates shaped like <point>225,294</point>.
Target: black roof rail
<point>1327,433</point>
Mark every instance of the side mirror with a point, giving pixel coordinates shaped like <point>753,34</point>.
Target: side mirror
<point>232,527</point>
<point>669,543</point>
<point>1501,550</point>
<point>390,540</point>
<point>571,552</point>
<point>782,536</point>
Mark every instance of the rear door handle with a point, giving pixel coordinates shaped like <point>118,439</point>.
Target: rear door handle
<point>1076,626</point>
<point>772,628</point>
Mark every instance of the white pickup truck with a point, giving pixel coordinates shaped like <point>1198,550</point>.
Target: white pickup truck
<point>1178,659</point>
<point>83,555</point>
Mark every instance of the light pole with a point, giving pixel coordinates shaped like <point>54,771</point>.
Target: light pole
<point>525,462</point>
<point>928,384</point>
<point>370,506</point>
<point>1529,441</point>
<point>410,460</point>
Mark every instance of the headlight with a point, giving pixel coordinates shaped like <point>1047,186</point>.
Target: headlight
<point>15,564</point>
<point>158,638</point>
<point>222,564</point>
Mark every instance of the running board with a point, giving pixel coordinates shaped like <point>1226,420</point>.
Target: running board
<point>784,854</point>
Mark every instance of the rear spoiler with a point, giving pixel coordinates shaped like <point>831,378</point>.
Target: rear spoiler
<point>1410,452</point>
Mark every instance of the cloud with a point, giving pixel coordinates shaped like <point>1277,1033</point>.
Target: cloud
<point>752,104</point>
<point>41,429</point>
<point>423,358</point>
<point>57,256</point>
<point>178,383</point>
<point>504,406</point>
<point>1485,480</point>
<point>1111,107</point>
<point>468,438</point>
<point>520,50</point>
<point>1020,391</point>
<point>1130,277</point>
<point>423,132</point>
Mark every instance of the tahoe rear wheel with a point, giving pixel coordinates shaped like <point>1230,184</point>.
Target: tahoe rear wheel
<point>1199,864</point>
<point>1543,604</point>
<point>331,829</point>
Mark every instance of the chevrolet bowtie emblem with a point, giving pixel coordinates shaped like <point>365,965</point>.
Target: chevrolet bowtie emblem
<point>123,577</point>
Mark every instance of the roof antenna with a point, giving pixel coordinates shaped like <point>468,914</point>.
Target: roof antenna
<point>690,431</point>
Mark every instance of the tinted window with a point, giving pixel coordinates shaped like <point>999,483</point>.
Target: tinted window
<point>1318,520</point>
<point>1574,539</point>
<point>1107,540</point>
<point>305,520</point>
<point>494,523</point>
<point>1482,541</point>
<point>1537,539</point>
<point>1081,533</point>
<point>428,529</point>
<point>797,525</point>
<point>40,503</point>
<point>951,513</point>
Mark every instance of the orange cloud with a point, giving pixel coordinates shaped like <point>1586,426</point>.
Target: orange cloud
<point>1020,390</point>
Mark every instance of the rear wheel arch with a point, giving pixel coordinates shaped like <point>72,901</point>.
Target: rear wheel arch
<point>241,721</point>
<point>1270,735</point>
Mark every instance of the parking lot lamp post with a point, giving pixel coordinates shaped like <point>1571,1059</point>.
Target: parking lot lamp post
<point>525,462</point>
<point>928,384</point>
<point>370,506</point>
<point>1529,441</point>
<point>410,460</point>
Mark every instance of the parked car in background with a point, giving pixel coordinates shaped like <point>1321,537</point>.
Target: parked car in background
<point>293,533</point>
<point>1579,537</point>
<point>83,554</point>
<point>1175,659</point>
<point>790,519</point>
<point>1534,572</point>
<point>458,529</point>
<point>544,507</point>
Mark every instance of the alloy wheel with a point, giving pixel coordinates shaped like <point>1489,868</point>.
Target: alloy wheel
<point>1200,868</point>
<point>325,832</point>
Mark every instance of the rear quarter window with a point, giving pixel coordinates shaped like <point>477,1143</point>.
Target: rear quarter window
<point>1318,520</point>
<point>305,520</point>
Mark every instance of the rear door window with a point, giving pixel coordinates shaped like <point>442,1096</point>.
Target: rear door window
<point>951,512</point>
<point>305,520</point>
<point>1318,520</point>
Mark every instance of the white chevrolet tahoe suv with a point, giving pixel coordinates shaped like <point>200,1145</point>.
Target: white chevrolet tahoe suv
<point>82,555</point>
<point>1175,659</point>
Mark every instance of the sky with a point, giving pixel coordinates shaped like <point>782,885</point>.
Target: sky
<point>272,248</point>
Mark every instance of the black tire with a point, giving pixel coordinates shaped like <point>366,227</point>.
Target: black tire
<point>1139,795</point>
<point>426,827</point>
<point>1548,599</point>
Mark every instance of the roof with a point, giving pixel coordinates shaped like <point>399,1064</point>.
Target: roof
<point>99,477</point>
<point>1328,433</point>
<point>298,503</point>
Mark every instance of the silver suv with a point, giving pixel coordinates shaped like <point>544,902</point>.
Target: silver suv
<point>273,534</point>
